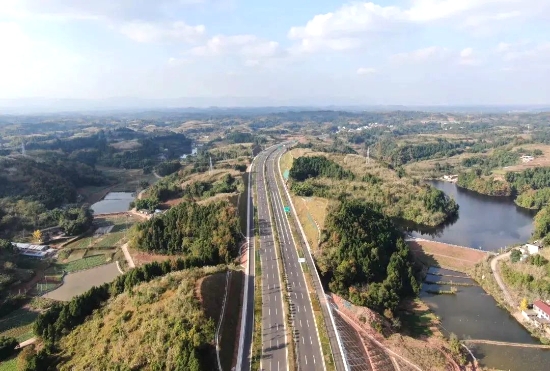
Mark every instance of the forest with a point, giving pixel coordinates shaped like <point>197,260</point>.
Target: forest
<point>473,181</point>
<point>209,233</point>
<point>499,158</point>
<point>311,167</point>
<point>364,257</point>
<point>49,181</point>
<point>400,155</point>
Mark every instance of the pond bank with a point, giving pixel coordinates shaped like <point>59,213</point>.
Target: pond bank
<point>472,314</point>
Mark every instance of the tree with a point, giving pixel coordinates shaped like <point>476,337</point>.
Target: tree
<point>5,245</point>
<point>515,256</point>
<point>25,356</point>
<point>37,236</point>
<point>523,304</point>
<point>7,347</point>
<point>143,184</point>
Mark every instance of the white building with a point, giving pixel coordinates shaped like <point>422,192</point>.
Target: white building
<point>542,309</point>
<point>530,249</point>
<point>34,251</point>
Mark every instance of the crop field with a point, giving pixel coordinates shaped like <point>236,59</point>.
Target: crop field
<point>77,265</point>
<point>18,324</point>
<point>80,244</point>
<point>110,240</point>
<point>76,255</point>
<point>80,282</point>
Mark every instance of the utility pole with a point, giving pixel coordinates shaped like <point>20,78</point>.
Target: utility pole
<point>368,155</point>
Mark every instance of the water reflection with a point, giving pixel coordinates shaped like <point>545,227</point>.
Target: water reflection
<point>483,222</point>
<point>113,202</point>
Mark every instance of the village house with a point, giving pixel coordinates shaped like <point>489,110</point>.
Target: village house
<point>33,251</point>
<point>542,309</point>
<point>529,249</point>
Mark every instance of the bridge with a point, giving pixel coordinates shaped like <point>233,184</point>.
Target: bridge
<point>493,342</point>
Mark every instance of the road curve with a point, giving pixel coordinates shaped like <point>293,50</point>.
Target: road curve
<point>494,268</point>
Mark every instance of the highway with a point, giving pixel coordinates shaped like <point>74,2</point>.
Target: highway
<point>274,342</point>
<point>308,347</point>
<point>273,220</point>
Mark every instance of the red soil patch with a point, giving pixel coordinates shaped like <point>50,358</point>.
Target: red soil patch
<point>141,258</point>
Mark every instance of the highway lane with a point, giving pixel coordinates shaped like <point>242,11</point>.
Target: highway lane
<point>274,342</point>
<point>309,352</point>
<point>247,320</point>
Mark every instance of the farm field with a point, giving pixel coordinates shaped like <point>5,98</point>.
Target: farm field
<point>18,324</point>
<point>77,265</point>
<point>80,282</point>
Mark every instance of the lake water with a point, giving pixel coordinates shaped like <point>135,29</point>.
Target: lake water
<point>473,314</point>
<point>483,222</point>
<point>113,202</point>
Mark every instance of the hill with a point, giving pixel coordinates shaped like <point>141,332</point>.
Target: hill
<point>159,325</point>
<point>336,176</point>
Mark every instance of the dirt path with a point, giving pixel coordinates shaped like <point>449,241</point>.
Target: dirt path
<point>27,342</point>
<point>494,268</point>
<point>128,256</point>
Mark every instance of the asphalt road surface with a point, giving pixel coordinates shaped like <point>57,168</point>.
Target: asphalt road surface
<point>275,347</point>
<point>274,342</point>
<point>309,353</point>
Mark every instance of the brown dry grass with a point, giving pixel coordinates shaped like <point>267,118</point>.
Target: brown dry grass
<point>141,258</point>
<point>316,208</point>
<point>126,144</point>
<point>207,177</point>
<point>544,160</point>
<point>431,253</point>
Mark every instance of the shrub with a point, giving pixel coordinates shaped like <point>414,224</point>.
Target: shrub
<point>7,347</point>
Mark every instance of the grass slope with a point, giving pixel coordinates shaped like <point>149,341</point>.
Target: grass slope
<point>145,329</point>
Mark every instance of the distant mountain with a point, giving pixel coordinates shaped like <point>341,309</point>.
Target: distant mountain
<point>230,104</point>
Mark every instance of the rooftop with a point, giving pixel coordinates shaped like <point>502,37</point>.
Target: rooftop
<point>543,306</point>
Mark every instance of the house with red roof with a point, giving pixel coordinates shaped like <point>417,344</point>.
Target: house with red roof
<point>542,309</point>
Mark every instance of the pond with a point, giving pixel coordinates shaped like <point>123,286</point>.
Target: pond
<point>483,221</point>
<point>113,202</point>
<point>473,314</point>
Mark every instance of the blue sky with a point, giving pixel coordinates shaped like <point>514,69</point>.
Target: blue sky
<point>285,52</point>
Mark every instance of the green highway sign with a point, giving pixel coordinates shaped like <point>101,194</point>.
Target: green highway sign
<point>287,209</point>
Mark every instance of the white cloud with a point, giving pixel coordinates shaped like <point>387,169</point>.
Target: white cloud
<point>366,71</point>
<point>422,55</point>
<point>124,10</point>
<point>249,46</point>
<point>356,23</point>
<point>524,52</point>
<point>467,53</point>
<point>176,62</point>
<point>468,58</point>
<point>146,32</point>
